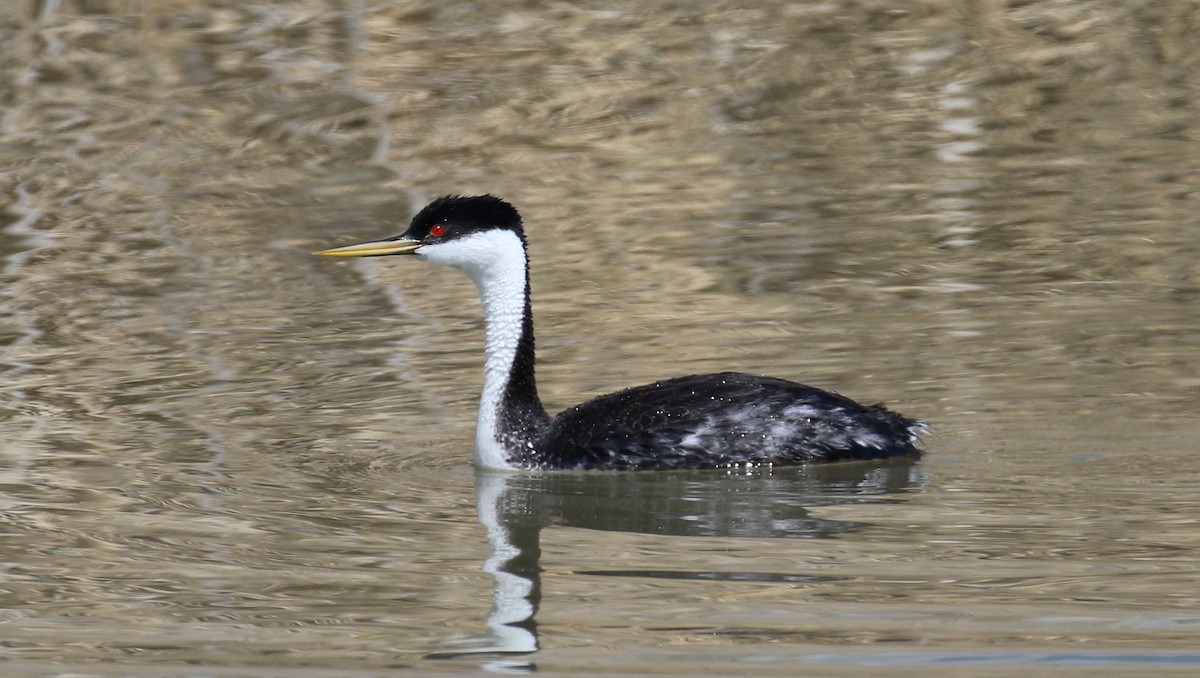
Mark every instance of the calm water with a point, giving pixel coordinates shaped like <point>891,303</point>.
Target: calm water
<point>221,456</point>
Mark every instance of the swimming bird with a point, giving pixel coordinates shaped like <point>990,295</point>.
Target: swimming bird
<point>724,420</point>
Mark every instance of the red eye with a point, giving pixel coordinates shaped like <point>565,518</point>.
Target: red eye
<point>437,230</point>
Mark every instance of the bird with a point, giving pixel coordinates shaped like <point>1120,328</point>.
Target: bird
<point>723,420</point>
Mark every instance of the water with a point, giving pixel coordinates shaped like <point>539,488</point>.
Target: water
<point>222,456</point>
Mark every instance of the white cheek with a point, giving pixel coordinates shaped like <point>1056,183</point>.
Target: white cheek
<point>479,254</point>
<point>456,253</point>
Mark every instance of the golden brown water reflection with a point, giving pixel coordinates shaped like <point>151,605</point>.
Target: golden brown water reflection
<point>223,453</point>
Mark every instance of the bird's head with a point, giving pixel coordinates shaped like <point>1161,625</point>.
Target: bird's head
<point>468,233</point>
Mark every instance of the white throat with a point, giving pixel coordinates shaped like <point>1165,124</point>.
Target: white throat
<point>495,260</point>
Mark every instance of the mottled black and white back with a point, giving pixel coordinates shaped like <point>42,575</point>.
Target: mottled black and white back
<point>699,421</point>
<point>724,420</point>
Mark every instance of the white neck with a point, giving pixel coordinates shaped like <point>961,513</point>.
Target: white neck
<point>495,260</point>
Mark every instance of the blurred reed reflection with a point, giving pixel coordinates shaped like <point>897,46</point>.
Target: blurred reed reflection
<point>219,454</point>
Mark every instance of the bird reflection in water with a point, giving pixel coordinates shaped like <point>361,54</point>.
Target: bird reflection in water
<point>754,503</point>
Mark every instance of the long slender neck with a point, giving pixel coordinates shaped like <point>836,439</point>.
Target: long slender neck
<point>511,416</point>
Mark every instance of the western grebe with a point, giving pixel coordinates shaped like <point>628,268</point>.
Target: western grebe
<point>698,421</point>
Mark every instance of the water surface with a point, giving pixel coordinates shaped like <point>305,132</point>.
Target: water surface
<point>218,452</point>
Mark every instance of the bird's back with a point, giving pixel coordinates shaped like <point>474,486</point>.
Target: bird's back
<point>723,420</point>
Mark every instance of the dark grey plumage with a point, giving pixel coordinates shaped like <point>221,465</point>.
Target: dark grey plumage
<point>722,420</point>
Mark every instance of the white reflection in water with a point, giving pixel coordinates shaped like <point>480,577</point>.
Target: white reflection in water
<point>749,504</point>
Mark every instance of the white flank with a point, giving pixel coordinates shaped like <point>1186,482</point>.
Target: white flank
<point>495,260</point>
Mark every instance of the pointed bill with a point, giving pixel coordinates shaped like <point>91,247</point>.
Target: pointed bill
<point>374,248</point>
